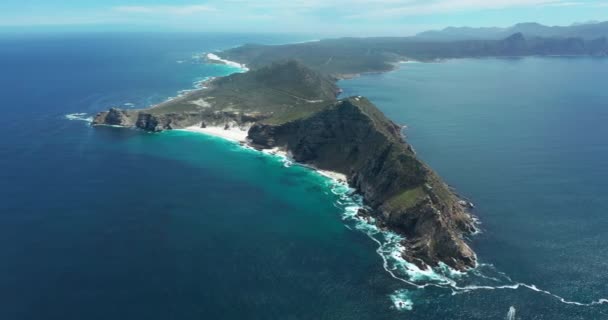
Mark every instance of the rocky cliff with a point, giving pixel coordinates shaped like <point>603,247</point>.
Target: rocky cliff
<point>353,137</point>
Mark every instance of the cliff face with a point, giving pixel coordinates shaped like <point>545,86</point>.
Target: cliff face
<point>146,120</point>
<point>114,117</point>
<point>353,137</point>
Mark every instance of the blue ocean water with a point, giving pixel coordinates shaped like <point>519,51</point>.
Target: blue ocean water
<point>102,223</point>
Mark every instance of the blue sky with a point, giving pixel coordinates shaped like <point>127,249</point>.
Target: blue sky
<point>323,17</point>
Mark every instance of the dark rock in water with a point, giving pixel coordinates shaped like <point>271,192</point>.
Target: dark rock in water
<point>363,213</point>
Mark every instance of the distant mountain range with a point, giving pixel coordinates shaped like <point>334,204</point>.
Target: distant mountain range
<point>588,31</point>
<point>345,57</point>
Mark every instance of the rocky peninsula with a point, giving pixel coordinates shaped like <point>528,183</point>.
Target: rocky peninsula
<point>291,107</point>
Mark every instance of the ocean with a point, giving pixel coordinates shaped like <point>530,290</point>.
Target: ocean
<point>101,223</point>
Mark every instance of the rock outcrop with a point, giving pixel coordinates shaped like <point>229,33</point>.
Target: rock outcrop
<point>157,122</point>
<point>114,117</point>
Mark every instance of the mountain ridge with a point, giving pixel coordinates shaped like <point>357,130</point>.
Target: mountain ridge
<point>587,31</point>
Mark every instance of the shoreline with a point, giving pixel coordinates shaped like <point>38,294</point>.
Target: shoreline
<point>204,83</point>
<point>234,134</point>
<point>239,135</point>
<point>394,66</point>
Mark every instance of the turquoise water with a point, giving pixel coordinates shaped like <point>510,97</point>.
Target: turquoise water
<point>102,223</point>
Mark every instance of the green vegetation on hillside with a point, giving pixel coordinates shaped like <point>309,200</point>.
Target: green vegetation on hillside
<point>282,91</point>
<point>407,199</point>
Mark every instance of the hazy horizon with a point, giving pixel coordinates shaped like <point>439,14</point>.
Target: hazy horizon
<point>315,17</point>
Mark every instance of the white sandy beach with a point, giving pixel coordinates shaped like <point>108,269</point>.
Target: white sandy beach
<point>333,175</point>
<point>233,134</point>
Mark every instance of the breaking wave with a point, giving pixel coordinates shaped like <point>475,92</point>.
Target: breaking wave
<point>401,300</point>
<point>79,117</point>
<point>390,249</point>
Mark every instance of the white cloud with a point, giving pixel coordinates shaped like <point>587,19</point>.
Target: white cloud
<point>342,8</point>
<point>396,8</point>
<point>373,17</point>
<point>162,9</point>
<point>449,6</point>
<point>566,4</point>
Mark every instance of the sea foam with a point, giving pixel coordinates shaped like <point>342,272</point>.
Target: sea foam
<point>511,313</point>
<point>214,57</point>
<point>401,300</point>
<point>79,117</point>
